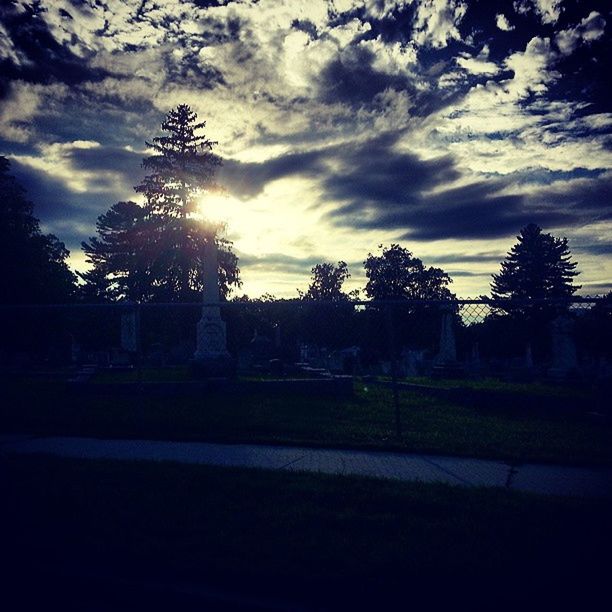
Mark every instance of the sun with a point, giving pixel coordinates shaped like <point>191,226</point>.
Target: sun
<point>217,207</point>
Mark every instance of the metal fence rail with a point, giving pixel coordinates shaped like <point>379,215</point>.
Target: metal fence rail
<point>475,336</point>
<point>393,344</point>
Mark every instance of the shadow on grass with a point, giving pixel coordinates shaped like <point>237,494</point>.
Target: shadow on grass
<point>314,539</point>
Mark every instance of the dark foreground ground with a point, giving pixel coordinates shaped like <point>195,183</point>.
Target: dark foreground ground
<point>113,535</point>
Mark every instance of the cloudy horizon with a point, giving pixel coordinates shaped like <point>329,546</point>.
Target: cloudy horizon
<point>443,125</point>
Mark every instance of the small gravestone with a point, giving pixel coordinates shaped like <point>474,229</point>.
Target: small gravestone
<point>262,350</point>
<point>448,348</point>
<point>75,350</point>
<point>446,364</point>
<point>528,357</point>
<point>411,362</point>
<point>474,364</point>
<point>564,359</point>
<point>522,370</point>
<point>129,331</point>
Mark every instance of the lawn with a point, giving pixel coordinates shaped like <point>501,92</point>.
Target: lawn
<point>295,536</point>
<point>429,424</point>
<point>535,388</point>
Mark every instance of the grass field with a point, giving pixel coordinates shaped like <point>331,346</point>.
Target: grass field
<point>296,536</point>
<point>365,421</point>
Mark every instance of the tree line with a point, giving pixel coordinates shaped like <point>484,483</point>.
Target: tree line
<point>152,252</point>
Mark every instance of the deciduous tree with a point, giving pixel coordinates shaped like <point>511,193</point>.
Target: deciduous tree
<point>326,282</point>
<point>33,265</point>
<point>397,274</point>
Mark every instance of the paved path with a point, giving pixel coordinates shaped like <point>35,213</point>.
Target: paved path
<point>545,479</point>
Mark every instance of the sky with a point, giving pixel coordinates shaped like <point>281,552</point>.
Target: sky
<point>442,125</point>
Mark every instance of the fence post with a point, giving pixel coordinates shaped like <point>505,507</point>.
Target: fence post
<point>392,347</point>
<point>138,344</point>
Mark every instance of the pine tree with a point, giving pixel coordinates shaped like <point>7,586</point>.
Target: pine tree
<point>154,251</point>
<point>181,170</point>
<point>182,167</point>
<point>538,266</point>
<point>119,255</point>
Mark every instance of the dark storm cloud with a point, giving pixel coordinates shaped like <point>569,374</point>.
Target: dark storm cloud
<point>248,179</point>
<point>375,171</point>
<point>279,262</point>
<point>382,188</point>
<point>378,186</point>
<point>452,258</point>
<point>597,288</point>
<point>474,211</point>
<point>190,71</point>
<point>44,60</point>
<point>589,199</point>
<point>466,273</point>
<point>594,248</point>
<point>109,159</point>
<point>372,169</point>
<point>351,79</point>
<point>64,212</point>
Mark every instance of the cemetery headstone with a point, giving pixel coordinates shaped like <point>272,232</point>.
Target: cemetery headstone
<point>446,364</point>
<point>211,357</point>
<point>564,358</point>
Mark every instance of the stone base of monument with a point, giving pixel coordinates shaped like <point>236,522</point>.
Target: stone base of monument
<point>448,369</point>
<point>217,366</point>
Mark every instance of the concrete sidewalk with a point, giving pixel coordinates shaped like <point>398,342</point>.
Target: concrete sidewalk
<point>536,478</point>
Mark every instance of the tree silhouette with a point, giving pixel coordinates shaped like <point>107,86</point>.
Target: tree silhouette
<point>538,266</point>
<point>329,324</point>
<point>154,251</point>
<point>33,264</point>
<point>181,170</point>
<point>326,282</point>
<point>119,255</point>
<point>397,274</point>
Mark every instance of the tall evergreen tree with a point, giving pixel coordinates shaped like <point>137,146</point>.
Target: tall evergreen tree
<point>538,266</point>
<point>154,251</point>
<point>182,168</point>
<point>32,264</point>
<point>119,254</point>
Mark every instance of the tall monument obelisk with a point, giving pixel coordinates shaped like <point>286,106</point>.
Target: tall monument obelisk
<point>211,357</point>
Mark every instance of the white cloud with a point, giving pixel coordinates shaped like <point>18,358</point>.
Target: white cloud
<point>391,58</point>
<point>7,48</point>
<point>377,9</point>
<point>478,65</point>
<point>267,103</point>
<point>22,105</point>
<point>589,29</point>
<point>549,11</point>
<point>531,68</point>
<point>57,160</point>
<point>436,22</point>
<point>502,23</point>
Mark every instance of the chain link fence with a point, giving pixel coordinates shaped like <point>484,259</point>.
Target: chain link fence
<point>451,338</point>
